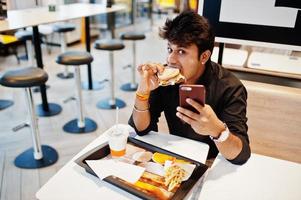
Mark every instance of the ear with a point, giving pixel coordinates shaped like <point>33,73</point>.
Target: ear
<point>205,56</point>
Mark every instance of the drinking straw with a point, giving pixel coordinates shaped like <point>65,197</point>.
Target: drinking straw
<point>117,117</point>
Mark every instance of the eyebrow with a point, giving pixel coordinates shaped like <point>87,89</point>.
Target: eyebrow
<point>178,47</point>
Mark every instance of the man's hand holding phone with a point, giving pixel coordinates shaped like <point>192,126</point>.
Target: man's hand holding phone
<point>196,113</point>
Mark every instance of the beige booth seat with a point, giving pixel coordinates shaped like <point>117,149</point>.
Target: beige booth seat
<point>274,114</point>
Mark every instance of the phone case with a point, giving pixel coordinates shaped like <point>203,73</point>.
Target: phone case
<point>195,92</point>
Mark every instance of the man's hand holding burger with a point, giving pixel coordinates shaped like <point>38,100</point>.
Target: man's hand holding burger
<point>154,75</point>
<point>148,82</point>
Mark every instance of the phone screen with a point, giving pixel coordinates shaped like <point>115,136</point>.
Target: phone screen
<point>195,92</point>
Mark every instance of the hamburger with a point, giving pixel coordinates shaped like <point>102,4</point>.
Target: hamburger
<point>170,76</point>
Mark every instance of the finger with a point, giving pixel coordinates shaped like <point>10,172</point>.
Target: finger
<point>155,80</point>
<point>139,68</point>
<point>195,104</point>
<point>188,113</point>
<point>152,67</point>
<point>145,67</point>
<point>184,118</point>
<point>145,74</point>
<point>142,68</point>
<point>160,68</point>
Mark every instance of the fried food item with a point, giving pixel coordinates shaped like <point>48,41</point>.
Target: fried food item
<point>158,180</point>
<point>174,175</point>
<point>153,190</point>
<point>161,158</point>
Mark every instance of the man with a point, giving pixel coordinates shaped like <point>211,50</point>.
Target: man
<point>221,122</point>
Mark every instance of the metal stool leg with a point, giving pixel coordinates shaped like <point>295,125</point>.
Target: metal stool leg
<point>132,86</point>
<point>80,121</point>
<point>66,74</point>
<point>82,124</point>
<point>29,52</point>
<point>38,156</point>
<point>112,102</point>
<point>31,63</point>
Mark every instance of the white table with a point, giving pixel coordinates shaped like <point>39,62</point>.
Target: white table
<point>262,177</point>
<point>72,182</point>
<point>36,16</point>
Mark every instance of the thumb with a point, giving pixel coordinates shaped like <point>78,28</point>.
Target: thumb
<point>145,74</point>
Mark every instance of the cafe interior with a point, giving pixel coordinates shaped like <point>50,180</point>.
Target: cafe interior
<point>68,81</point>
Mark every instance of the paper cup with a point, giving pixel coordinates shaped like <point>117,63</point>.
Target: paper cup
<point>117,141</point>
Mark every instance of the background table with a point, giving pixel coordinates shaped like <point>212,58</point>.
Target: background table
<point>72,182</point>
<point>36,16</point>
<point>262,177</point>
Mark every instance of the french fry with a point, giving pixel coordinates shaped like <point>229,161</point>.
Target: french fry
<point>174,176</point>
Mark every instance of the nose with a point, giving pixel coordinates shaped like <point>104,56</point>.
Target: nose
<point>172,59</point>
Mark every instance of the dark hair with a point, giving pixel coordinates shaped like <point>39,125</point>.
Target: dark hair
<point>189,28</point>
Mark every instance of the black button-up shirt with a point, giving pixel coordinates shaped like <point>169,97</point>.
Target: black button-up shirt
<point>224,93</point>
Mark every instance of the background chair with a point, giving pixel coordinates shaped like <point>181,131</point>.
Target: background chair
<point>110,45</point>
<point>40,155</point>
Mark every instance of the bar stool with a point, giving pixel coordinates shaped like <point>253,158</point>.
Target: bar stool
<point>110,45</point>
<point>76,59</point>
<point>62,29</point>
<point>26,36</point>
<point>40,155</point>
<point>133,36</point>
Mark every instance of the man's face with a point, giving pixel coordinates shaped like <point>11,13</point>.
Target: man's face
<point>187,60</point>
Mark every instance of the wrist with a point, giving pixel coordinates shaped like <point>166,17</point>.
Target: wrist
<point>143,88</point>
<point>223,135</point>
<point>142,96</point>
<point>219,129</point>
<point>137,109</point>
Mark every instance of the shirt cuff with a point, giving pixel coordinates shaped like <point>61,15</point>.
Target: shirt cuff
<point>245,153</point>
<point>140,133</point>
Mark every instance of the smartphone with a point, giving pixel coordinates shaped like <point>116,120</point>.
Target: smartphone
<point>195,92</point>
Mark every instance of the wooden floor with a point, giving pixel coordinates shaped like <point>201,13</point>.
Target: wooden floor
<point>19,184</point>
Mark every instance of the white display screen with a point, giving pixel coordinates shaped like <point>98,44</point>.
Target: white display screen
<point>272,23</point>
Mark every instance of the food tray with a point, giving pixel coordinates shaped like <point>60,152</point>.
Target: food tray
<point>103,151</point>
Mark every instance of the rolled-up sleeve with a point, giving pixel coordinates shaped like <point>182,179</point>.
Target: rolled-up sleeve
<point>234,115</point>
